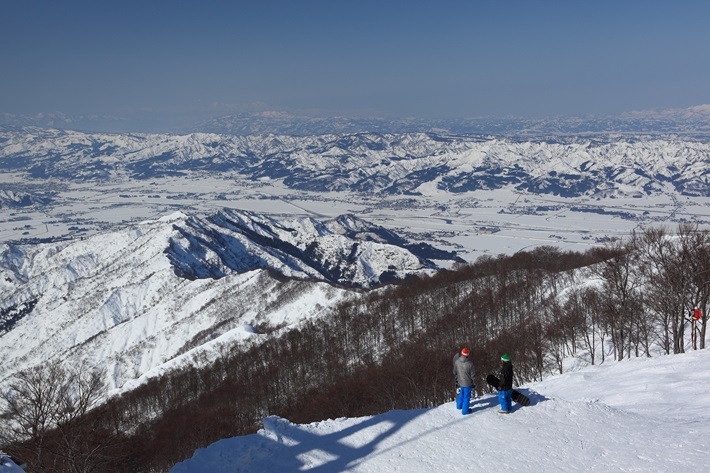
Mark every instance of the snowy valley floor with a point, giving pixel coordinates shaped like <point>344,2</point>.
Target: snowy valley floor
<point>639,415</point>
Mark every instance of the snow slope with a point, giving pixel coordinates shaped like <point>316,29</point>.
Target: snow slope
<point>645,415</point>
<point>9,466</point>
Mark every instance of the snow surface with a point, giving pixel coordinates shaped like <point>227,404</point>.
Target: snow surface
<point>9,466</point>
<point>641,414</point>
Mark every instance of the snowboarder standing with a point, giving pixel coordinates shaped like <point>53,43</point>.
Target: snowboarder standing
<point>465,373</point>
<point>505,385</point>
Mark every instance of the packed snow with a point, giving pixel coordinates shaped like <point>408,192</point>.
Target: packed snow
<point>7,465</point>
<point>640,414</point>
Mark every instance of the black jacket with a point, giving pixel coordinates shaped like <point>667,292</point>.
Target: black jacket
<point>505,381</point>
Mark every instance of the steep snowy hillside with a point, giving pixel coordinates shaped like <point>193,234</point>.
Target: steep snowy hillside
<point>641,414</point>
<point>345,250</point>
<point>368,162</point>
<point>156,294</point>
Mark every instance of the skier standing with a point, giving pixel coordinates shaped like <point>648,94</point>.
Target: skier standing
<point>465,373</point>
<point>505,385</point>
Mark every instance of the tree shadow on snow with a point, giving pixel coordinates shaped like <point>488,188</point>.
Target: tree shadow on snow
<point>320,447</point>
<point>484,402</point>
<point>303,447</point>
<point>316,448</point>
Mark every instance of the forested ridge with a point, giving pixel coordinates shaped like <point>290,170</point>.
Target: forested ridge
<point>389,348</point>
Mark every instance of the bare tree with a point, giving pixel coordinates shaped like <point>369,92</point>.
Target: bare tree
<point>695,248</point>
<point>621,281</point>
<point>31,408</point>
<point>677,272</point>
<point>46,419</point>
<point>585,306</point>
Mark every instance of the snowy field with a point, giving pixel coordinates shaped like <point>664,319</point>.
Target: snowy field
<point>638,415</point>
<point>473,223</point>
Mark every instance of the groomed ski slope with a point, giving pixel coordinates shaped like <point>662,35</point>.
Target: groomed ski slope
<point>638,415</point>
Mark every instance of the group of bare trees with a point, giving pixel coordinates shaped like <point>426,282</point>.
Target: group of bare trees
<point>46,421</point>
<point>387,349</point>
<point>649,290</point>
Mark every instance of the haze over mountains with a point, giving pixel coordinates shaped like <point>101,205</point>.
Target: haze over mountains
<point>691,122</point>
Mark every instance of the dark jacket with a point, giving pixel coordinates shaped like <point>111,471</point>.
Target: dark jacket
<point>505,376</point>
<point>464,371</point>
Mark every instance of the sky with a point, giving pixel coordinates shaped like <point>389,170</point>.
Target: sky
<point>642,414</point>
<point>370,58</point>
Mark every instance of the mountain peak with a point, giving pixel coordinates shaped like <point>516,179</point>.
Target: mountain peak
<point>345,250</point>
<point>151,295</point>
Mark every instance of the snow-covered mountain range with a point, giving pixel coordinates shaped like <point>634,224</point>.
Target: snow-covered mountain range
<point>369,162</point>
<point>142,297</point>
<point>689,122</point>
<point>153,295</point>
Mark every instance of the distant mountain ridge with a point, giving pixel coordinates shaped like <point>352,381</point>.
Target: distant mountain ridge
<point>688,123</point>
<point>693,122</point>
<point>394,164</point>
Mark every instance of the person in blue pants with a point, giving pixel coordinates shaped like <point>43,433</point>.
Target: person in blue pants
<point>465,374</point>
<point>505,384</point>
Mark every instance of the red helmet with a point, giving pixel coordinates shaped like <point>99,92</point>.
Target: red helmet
<point>465,352</point>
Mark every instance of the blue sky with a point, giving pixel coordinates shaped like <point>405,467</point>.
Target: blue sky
<point>360,58</point>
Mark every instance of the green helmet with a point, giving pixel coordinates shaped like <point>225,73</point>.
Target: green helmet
<point>505,357</point>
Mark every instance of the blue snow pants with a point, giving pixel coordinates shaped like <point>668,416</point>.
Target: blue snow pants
<point>463,401</point>
<point>504,399</point>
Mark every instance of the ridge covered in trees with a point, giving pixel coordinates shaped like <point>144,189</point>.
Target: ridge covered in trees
<point>388,348</point>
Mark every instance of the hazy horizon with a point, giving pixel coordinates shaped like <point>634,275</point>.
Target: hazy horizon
<point>180,61</point>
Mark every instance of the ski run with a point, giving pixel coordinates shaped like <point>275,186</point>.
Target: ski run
<point>637,415</point>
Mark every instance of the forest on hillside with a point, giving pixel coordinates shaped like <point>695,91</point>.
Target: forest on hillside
<point>388,348</point>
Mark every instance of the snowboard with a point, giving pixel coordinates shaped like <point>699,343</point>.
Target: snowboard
<point>516,395</point>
